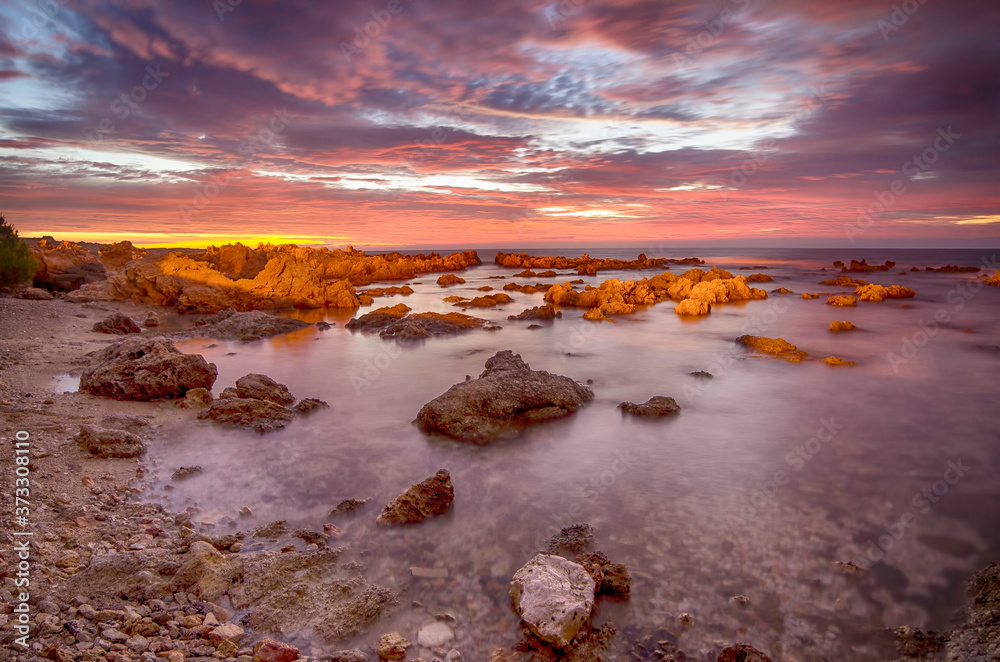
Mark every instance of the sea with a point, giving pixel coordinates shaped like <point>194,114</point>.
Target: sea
<point>804,508</point>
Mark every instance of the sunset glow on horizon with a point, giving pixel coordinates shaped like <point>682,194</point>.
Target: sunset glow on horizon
<point>536,123</point>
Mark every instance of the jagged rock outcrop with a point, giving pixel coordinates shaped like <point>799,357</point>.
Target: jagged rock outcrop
<point>554,597</point>
<point>505,397</point>
<point>427,498</point>
<point>864,267</point>
<point>954,269</point>
<point>116,256</point>
<point>842,300</point>
<point>138,368</point>
<point>262,387</point>
<point>693,307</point>
<point>837,326</point>
<point>66,266</point>
<point>585,264</point>
<point>485,301</point>
<point>291,276</point>
<point>881,292</point>
<point>450,279</point>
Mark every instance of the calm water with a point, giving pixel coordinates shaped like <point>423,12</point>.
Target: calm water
<point>710,504</point>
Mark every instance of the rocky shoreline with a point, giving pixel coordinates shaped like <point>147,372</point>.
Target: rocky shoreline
<point>122,579</point>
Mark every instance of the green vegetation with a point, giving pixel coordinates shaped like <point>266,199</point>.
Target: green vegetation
<point>17,264</point>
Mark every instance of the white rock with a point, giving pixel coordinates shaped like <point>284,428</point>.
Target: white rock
<point>434,635</point>
<point>554,597</point>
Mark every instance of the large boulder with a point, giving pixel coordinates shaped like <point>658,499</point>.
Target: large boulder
<point>138,368</point>
<point>428,498</point>
<point>505,397</point>
<point>554,597</point>
<point>65,267</point>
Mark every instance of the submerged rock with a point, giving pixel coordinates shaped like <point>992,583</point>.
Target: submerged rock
<point>742,653</point>
<point>102,442</point>
<point>117,324</point>
<point>428,498</point>
<point>774,346</point>
<point>507,395</point>
<point>656,406</point>
<point>837,326</point>
<point>138,368</point>
<point>307,405</point>
<point>554,597</point>
<point>612,578</point>
<point>396,324</point>
<point>449,279</point>
<point>842,300</point>
<point>232,325</point>
<point>881,292</point>
<point>836,360</point>
<point>251,413</point>
<point>574,538</point>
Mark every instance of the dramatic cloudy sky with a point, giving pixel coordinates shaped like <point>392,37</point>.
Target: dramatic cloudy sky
<point>503,122</point>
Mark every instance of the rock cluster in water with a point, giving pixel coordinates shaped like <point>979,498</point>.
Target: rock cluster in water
<point>395,323</point>
<point>586,265</point>
<point>258,403</point>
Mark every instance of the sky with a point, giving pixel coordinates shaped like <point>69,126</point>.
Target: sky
<point>512,123</point>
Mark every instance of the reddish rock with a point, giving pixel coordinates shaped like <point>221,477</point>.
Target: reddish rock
<point>102,442</point>
<point>138,368</point>
<point>546,312</point>
<point>742,653</point>
<point>656,406</point>
<point>66,267</point>
<point>428,498</point>
<point>269,650</point>
<point>117,324</point>
<point>262,387</point>
<point>449,279</point>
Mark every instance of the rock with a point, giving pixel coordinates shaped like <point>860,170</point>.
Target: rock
<point>506,396</point>
<point>269,650</point>
<point>881,293</point>
<point>701,374</point>
<point>546,312</point>
<point>250,413</point>
<point>806,295</point>
<point>486,301</point>
<point>106,443</point>
<point>232,325</point>
<point>836,360</point>
<point>742,653</point>
<point>65,267</point>
<point>585,264</point>
<point>138,368</point>
<point>323,326</point>
<point>206,572</point>
<point>863,266</point>
<point>994,280</point>
<point>196,398</point>
<point>554,597</point>
<point>261,387</point>
<point>426,499</point>
<point>844,281</point>
<point>35,294</point>
<point>116,256</point>
<point>227,632</point>
<point>842,300</point>
<point>117,324</point>
<point>350,655</point>
<point>574,538</point>
<point>837,326</point>
<point>434,635</point>
<point>611,578</point>
<point>656,406</point>
<point>759,278</point>
<point>693,307</point>
<point>774,346</point>
<point>394,323</point>
<point>185,472</point>
<point>391,646</point>
<point>782,290</point>
<point>307,405</point>
<point>954,269</point>
<point>348,506</point>
<point>450,279</point>
<point>152,320</point>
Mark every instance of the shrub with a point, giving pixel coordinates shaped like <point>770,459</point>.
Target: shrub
<point>17,264</point>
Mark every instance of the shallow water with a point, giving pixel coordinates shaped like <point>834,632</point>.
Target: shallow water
<point>713,503</point>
